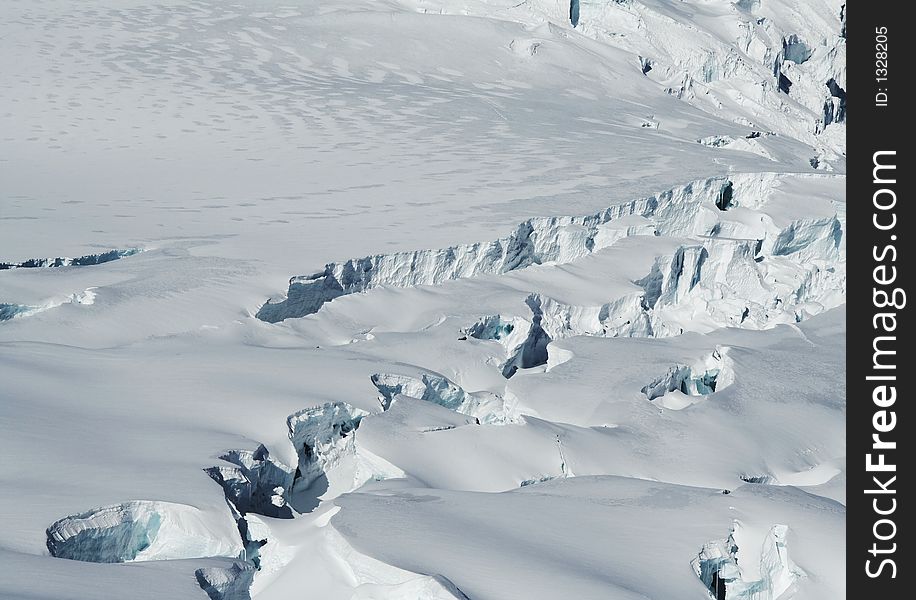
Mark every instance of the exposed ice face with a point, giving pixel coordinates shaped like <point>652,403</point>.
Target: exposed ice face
<point>12,311</point>
<point>684,385</point>
<point>422,587</point>
<point>535,241</point>
<point>724,201</point>
<point>743,270</point>
<point>762,479</point>
<point>752,142</point>
<point>486,407</point>
<point>231,583</point>
<point>492,328</point>
<point>254,536</point>
<point>809,238</point>
<point>723,565</point>
<point>115,534</point>
<point>257,483</point>
<point>322,436</point>
<point>524,339</point>
<point>782,279</point>
<point>143,530</point>
<point>331,461</point>
<point>344,79</point>
<point>80,261</point>
<point>532,351</point>
<point>735,275</point>
<point>795,49</point>
<point>835,105</point>
<point>843,21</point>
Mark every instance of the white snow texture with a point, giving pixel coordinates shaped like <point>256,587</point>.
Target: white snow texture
<point>422,299</point>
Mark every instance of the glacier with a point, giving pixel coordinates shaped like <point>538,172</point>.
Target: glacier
<point>535,241</point>
<point>750,257</point>
<point>484,407</point>
<point>548,260</point>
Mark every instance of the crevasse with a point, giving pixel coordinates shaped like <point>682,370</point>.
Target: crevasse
<point>255,482</point>
<point>686,384</point>
<point>321,436</point>
<point>486,407</point>
<point>143,530</point>
<point>64,261</point>
<point>535,241</point>
<point>721,565</point>
<point>736,273</point>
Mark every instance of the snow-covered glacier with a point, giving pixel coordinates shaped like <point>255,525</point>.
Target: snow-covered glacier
<point>423,299</point>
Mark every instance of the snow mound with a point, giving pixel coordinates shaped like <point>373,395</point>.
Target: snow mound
<point>143,530</point>
<point>12,311</point>
<point>377,580</point>
<point>534,241</point>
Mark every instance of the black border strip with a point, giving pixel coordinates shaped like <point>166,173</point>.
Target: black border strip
<point>878,417</point>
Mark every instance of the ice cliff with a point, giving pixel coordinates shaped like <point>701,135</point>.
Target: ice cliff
<point>534,241</point>
<point>143,530</point>
<point>485,407</point>
<point>717,566</point>
<point>63,261</point>
<point>739,271</point>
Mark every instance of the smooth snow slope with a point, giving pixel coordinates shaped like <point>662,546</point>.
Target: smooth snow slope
<point>517,309</point>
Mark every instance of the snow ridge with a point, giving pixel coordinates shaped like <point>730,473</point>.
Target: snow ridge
<point>737,273</point>
<point>63,261</point>
<point>534,241</point>
<point>143,530</point>
<point>485,407</point>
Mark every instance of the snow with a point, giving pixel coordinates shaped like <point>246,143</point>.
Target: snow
<point>422,299</point>
<point>142,530</point>
<point>604,563</point>
<point>717,565</point>
<point>231,583</point>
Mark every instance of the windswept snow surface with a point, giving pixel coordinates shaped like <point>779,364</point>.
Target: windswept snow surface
<point>437,300</point>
